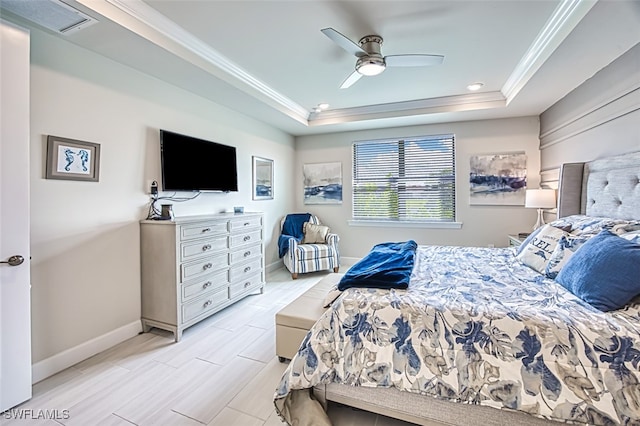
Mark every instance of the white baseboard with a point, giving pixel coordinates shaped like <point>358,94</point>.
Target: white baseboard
<point>65,359</point>
<point>274,266</point>
<point>348,262</point>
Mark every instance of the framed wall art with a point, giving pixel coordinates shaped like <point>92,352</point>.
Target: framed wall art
<point>72,159</point>
<point>322,183</point>
<point>498,179</point>
<point>262,178</point>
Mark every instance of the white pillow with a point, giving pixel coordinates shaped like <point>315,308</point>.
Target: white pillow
<point>537,253</point>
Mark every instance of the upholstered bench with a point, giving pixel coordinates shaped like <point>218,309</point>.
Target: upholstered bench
<point>296,319</point>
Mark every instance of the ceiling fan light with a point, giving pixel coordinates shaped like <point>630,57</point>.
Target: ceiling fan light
<point>370,67</point>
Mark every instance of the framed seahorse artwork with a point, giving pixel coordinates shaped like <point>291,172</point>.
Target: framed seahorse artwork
<point>72,159</point>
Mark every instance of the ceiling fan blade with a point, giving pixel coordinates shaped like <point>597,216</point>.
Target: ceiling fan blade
<point>355,76</point>
<point>343,42</point>
<point>413,60</point>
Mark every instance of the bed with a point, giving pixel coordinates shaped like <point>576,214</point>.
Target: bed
<point>494,336</point>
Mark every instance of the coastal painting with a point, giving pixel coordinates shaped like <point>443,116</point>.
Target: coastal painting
<point>322,183</point>
<point>498,179</point>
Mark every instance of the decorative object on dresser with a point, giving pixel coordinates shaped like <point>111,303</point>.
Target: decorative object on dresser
<point>540,199</point>
<point>194,266</point>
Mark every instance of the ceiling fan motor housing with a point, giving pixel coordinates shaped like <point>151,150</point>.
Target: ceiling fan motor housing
<point>372,63</point>
<point>371,44</point>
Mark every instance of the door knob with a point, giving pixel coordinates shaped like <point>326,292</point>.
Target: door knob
<point>14,260</point>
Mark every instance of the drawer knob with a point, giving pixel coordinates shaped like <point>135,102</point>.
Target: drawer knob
<point>206,247</point>
<point>247,237</point>
<point>247,284</point>
<point>207,303</point>
<point>247,253</point>
<point>247,224</point>
<point>207,284</point>
<point>207,265</point>
<point>206,229</point>
<point>247,269</point>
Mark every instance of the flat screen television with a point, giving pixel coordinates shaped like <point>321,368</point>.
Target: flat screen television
<point>192,164</point>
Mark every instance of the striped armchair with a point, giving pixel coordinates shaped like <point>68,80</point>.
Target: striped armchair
<point>302,258</point>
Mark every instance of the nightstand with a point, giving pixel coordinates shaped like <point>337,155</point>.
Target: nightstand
<point>515,241</point>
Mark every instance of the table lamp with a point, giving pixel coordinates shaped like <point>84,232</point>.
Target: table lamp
<point>540,199</point>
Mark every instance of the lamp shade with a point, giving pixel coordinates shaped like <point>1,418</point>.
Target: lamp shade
<point>540,198</point>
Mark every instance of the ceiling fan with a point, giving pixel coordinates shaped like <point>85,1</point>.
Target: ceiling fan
<point>370,60</point>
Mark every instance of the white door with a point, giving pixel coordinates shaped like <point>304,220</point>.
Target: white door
<point>15,297</point>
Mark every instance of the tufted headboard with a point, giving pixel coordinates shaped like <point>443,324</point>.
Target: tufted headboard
<point>607,187</point>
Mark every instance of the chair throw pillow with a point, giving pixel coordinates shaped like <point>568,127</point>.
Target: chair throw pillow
<point>314,234</point>
<point>604,272</point>
<point>538,250</point>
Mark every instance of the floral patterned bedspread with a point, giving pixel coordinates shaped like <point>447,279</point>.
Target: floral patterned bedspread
<point>478,327</point>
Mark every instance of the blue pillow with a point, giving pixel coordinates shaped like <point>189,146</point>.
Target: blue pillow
<point>604,272</point>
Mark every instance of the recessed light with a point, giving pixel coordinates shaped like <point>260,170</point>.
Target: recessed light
<point>475,86</point>
<point>323,105</point>
<point>316,109</point>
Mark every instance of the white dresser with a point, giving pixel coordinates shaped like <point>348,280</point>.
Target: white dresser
<point>194,266</point>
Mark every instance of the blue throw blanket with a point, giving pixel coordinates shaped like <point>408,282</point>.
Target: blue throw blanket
<point>291,228</point>
<point>388,265</point>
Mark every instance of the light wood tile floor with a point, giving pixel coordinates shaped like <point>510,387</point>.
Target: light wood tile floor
<point>222,373</point>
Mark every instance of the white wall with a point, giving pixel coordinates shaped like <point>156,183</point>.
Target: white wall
<point>482,225</point>
<point>85,236</point>
<point>599,118</point>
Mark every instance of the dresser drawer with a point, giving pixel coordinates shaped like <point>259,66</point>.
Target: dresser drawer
<point>248,284</point>
<point>246,253</point>
<point>239,224</point>
<point>209,284</point>
<point>203,266</point>
<point>240,272</point>
<point>245,238</point>
<point>202,229</point>
<point>200,306</point>
<point>193,249</point>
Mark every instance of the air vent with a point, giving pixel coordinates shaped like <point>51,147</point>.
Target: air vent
<point>52,14</point>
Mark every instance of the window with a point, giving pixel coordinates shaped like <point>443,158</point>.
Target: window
<point>405,180</point>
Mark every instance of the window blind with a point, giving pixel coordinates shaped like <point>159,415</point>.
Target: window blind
<point>404,180</point>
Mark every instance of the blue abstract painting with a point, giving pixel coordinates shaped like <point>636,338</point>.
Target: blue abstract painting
<point>498,179</point>
<point>322,183</point>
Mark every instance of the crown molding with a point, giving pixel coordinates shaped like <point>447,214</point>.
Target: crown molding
<point>145,21</point>
<point>564,19</point>
<point>473,101</point>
